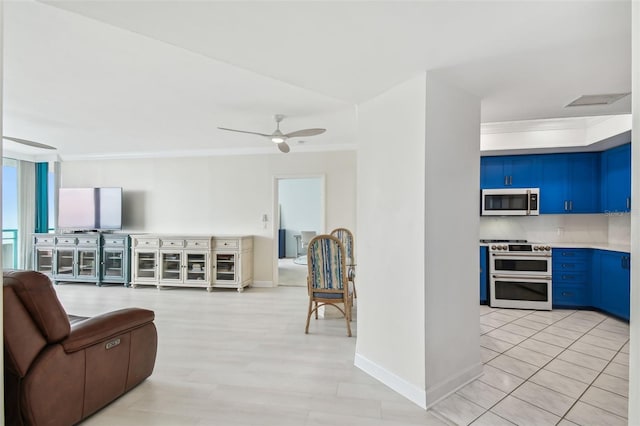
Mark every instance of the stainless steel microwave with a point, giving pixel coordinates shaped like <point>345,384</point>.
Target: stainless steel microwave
<point>510,202</point>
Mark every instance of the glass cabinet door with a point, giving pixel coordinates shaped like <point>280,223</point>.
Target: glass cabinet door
<point>44,261</point>
<point>145,265</point>
<point>225,267</point>
<point>197,267</point>
<point>87,263</point>
<point>113,264</point>
<point>171,266</point>
<point>64,262</point>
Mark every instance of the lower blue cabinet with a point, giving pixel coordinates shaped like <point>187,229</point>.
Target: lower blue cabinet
<point>612,279</point>
<point>483,275</point>
<point>592,278</point>
<point>571,280</point>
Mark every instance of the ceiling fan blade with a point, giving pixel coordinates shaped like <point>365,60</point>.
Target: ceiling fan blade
<point>305,132</point>
<point>283,147</point>
<point>244,131</point>
<point>29,143</point>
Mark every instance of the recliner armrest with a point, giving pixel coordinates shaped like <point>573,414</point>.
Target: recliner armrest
<point>104,327</point>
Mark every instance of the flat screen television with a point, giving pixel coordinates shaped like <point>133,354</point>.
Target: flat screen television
<point>88,209</point>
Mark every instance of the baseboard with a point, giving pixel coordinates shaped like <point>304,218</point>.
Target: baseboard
<point>437,393</point>
<point>395,382</point>
<point>266,284</point>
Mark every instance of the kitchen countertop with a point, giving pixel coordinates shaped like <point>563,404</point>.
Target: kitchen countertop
<point>601,246</point>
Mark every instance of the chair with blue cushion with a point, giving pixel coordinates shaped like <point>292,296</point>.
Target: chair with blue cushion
<point>346,238</point>
<point>327,278</point>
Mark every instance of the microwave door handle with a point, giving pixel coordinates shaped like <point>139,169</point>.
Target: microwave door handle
<point>528,202</point>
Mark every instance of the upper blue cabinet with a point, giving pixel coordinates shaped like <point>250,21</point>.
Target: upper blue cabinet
<point>587,182</point>
<point>569,183</point>
<point>510,171</point>
<point>616,179</point>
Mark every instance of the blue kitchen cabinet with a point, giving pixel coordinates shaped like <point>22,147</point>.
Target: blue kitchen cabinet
<point>569,183</point>
<point>616,179</point>
<point>613,283</point>
<point>508,171</point>
<point>483,275</point>
<point>571,275</point>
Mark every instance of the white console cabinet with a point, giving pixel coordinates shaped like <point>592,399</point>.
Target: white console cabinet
<point>192,261</point>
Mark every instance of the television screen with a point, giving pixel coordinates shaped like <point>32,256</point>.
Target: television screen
<point>90,208</point>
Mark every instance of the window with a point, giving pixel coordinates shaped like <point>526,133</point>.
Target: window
<point>9,213</point>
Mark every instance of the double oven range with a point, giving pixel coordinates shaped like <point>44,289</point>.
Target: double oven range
<point>519,274</point>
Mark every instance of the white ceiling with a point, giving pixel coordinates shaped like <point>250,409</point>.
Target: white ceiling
<point>130,78</point>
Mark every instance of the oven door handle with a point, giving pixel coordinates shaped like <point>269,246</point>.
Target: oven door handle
<point>525,277</point>
<point>521,254</point>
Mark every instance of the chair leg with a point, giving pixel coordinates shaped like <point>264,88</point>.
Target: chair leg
<point>317,310</point>
<point>306,330</point>
<point>347,317</point>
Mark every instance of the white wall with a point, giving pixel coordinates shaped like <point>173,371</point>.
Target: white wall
<point>390,238</point>
<point>217,195</point>
<point>452,179</point>
<point>300,209</point>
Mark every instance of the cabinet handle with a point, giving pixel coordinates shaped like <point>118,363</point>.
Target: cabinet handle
<point>510,180</point>
<point>566,205</point>
<point>506,181</point>
<point>628,202</point>
<point>570,205</point>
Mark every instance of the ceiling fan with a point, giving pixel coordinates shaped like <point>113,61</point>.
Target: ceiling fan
<point>28,143</point>
<point>280,138</point>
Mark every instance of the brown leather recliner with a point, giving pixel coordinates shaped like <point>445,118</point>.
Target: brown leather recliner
<point>57,373</point>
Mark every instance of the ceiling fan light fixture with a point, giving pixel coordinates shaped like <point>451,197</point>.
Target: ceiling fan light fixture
<point>277,139</point>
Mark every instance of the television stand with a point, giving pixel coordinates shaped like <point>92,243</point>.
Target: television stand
<point>83,256</point>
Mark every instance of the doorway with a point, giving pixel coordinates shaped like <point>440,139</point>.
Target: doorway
<point>299,206</point>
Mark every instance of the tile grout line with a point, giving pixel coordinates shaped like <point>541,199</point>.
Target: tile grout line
<point>542,367</point>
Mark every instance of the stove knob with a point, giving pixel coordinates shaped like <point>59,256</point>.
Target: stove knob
<point>493,247</point>
<point>548,248</point>
<point>504,247</point>
<point>535,248</point>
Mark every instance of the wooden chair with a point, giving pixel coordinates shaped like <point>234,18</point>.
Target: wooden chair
<point>346,238</point>
<point>327,280</point>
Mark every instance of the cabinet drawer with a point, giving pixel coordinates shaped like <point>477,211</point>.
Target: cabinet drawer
<point>226,244</point>
<point>45,239</point>
<point>114,241</point>
<point>570,265</point>
<point>570,295</point>
<point>66,240</point>
<point>171,243</point>
<point>575,277</point>
<point>87,241</point>
<point>146,242</point>
<point>197,244</point>
<point>562,255</point>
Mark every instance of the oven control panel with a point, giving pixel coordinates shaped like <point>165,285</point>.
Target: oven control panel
<point>520,247</point>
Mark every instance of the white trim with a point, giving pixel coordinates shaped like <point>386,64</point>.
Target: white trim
<point>263,284</point>
<point>206,152</point>
<point>442,390</point>
<point>410,391</point>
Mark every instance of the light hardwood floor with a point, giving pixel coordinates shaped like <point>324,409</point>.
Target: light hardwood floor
<point>229,358</point>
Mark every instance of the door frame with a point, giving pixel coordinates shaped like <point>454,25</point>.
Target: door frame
<point>275,212</point>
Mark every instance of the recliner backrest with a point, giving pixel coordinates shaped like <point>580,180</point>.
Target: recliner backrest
<point>33,317</point>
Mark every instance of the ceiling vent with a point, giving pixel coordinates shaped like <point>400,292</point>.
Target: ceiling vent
<point>590,100</point>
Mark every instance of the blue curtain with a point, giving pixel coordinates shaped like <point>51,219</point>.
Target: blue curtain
<point>42,197</point>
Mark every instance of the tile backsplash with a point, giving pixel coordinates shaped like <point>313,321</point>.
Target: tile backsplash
<point>574,228</point>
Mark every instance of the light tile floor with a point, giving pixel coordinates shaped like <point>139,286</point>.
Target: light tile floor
<point>561,367</point>
<point>229,358</point>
